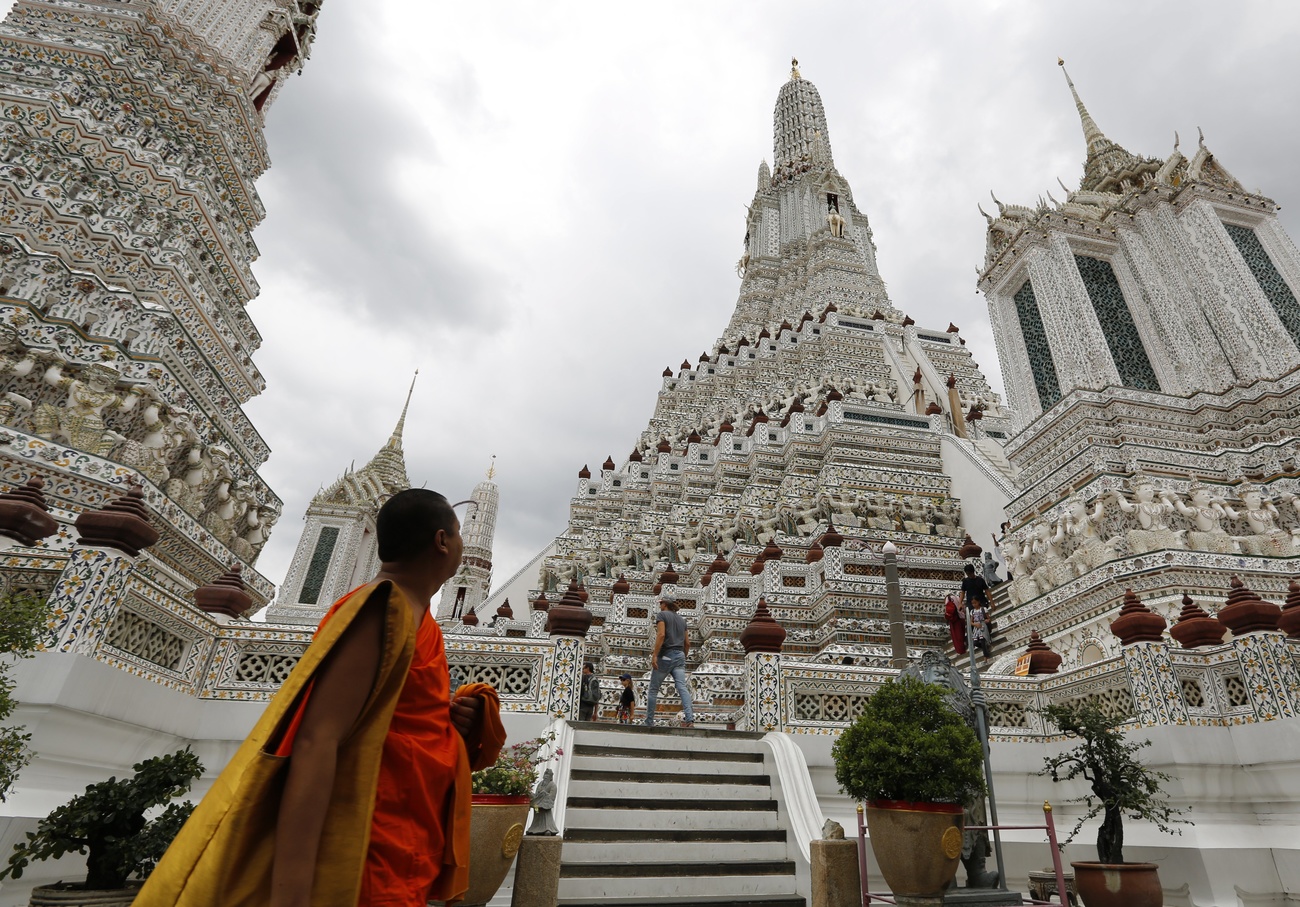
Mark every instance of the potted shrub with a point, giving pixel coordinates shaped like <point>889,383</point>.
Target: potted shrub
<point>916,764</point>
<point>502,793</point>
<point>108,823</point>
<point>1120,786</point>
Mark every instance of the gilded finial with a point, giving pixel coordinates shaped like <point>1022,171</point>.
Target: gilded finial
<point>1060,61</point>
<point>492,469</point>
<point>794,68</point>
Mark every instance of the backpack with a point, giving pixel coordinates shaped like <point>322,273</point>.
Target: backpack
<point>590,689</point>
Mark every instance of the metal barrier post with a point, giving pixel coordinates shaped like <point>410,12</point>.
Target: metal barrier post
<point>1061,891</point>
<point>862,857</point>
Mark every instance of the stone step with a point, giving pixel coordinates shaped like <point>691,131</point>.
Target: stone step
<point>650,764</point>
<point>647,835</point>
<point>758,900</point>
<point>670,818</point>
<point>656,750</point>
<point>626,776</point>
<point>668,790</point>
<point>707,869</point>
<point>679,804</point>
<point>725,849</point>
<point>693,740</point>
<point>743,888</point>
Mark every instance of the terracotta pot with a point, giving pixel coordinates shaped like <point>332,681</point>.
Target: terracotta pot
<point>71,894</point>
<point>917,845</point>
<point>1118,884</point>
<point>496,829</point>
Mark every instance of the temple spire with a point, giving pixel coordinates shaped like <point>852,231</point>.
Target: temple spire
<point>395,440</point>
<point>1109,166</point>
<point>1093,137</point>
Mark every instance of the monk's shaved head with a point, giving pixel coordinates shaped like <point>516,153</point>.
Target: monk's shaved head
<point>410,521</point>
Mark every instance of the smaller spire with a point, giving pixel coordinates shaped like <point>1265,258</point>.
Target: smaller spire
<point>794,69</point>
<point>1092,134</point>
<point>492,470</point>
<point>395,440</point>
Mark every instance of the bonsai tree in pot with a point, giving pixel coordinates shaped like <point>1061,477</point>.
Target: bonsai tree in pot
<point>916,764</point>
<point>108,823</point>
<point>1120,786</point>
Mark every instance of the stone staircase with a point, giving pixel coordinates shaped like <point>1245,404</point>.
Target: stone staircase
<point>672,816</point>
<point>992,451</point>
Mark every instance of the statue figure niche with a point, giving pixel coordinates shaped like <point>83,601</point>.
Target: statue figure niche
<point>80,421</point>
<point>1207,514</point>
<point>1152,507</point>
<point>1261,517</point>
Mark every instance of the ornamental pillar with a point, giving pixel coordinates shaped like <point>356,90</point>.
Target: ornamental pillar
<point>89,592</point>
<point>762,640</point>
<point>1157,695</point>
<point>1267,667</point>
<point>567,623</point>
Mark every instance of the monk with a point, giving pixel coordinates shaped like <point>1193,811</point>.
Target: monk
<point>353,790</point>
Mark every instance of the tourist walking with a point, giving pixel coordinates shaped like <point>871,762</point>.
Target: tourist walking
<point>627,701</point>
<point>975,599</point>
<point>353,789</point>
<point>668,657</point>
<point>589,698</point>
<point>979,630</point>
<point>955,615</point>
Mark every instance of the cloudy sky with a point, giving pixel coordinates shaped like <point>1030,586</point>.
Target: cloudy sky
<point>540,205</point>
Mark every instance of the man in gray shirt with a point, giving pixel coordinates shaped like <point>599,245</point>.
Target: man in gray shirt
<point>668,656</point>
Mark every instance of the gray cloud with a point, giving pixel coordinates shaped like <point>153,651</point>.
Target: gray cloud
<point>541,207</point>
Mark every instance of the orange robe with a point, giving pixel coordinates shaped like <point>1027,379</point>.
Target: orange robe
<point>397,829</point>
<point>414,828</point>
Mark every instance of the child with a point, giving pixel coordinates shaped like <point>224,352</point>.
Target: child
<point>626,702</point>
<point>979,629</point>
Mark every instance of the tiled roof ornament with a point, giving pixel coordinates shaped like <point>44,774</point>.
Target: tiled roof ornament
<point>225,595</point>
<point>1136,622</point>
<point>1195,627</point>
<point>584,472</point>
<point>1042,660</point>
<point>1246,612</point>
<point>505,612</point>
<point>969,548</point>
<point>470,619</point>
<point>667,578</point>
<point>763,633</point>
<point>719,565</point>
<point>24,515</point>
<point>570,616</point>
<point>122,524</point>
<point>831,537</point>
<point>1289,622</point>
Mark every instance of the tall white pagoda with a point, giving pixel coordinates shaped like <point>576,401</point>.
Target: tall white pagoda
<point>822,421</point>
<point>1149,334</point>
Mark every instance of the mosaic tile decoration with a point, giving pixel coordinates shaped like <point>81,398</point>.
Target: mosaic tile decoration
<point>1121,333</point>
<point>1037,347</point>
<point>1274,286</point>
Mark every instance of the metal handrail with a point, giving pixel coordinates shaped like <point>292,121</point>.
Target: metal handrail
<point>1048,826</point>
